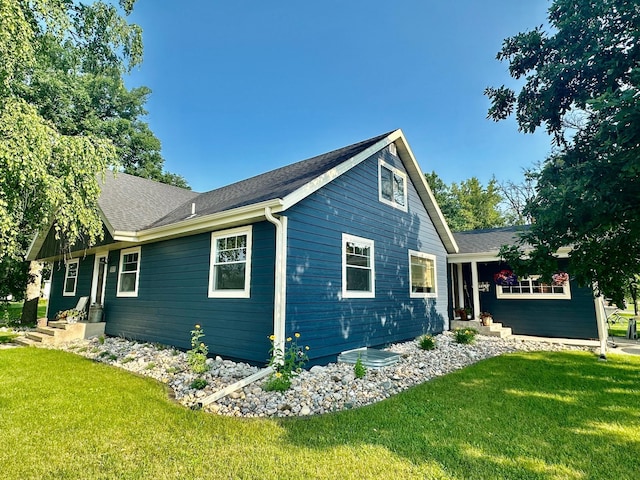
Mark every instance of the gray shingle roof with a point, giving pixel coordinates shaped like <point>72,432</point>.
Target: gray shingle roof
<point>132,203</point>
<point>487,241</point>
<point>267,186</point>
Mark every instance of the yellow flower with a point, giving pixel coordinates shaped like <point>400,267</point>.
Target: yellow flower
<point>197,327</point>
<point>202,344</point>
<point>278,374</point>
<point>272,337</point>
<point>306,347</point>
<point>297,335</point>
<point>288,339</point>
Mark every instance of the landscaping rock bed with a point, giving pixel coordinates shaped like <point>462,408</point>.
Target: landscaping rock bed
<point>315,391</point>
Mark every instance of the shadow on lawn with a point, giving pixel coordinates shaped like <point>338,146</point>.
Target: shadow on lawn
<point>540,415</point>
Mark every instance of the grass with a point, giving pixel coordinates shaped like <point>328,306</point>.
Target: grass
<point>522,416</point>
<point>12,311</point>
<point>7,337</point>
<point>619,329</point>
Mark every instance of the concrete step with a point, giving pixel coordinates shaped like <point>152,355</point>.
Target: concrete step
<point>24,341</point>
<point>494,330</point>
<point>62,325</point>
<point>36,337</point>
<point>46,330</point>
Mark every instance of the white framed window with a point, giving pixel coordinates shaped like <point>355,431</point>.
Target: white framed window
<point>230,268</point>
<point>129,272</point>
<point>358,267</point>
<point>71,277</point>
<point>531,288</point>
<point>392,186</point>
<point>422,275</point>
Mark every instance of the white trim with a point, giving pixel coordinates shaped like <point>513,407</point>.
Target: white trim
<point>494,256</point>
<point>394,172</point>
<point>68,263</point>
<point>124,252</point>
<point>368,244</point>
<point>237,293</point>
<point>428,256</point>
<point>94,279</point>
<point>566,295</point>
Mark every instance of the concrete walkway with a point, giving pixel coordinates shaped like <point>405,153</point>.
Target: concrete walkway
<point>622,345</point>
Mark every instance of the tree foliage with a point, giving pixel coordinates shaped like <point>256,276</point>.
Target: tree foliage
<point>582,82</point>
<point>468,205</point>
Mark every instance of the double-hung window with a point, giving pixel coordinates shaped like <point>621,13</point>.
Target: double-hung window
<point>129,272</point>
<point>230,270</point>
<point>71,277</point>
<point>358,267</point>
<point>392,185</point>
<point>422,273</point>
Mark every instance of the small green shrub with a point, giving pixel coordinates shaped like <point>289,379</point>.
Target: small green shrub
<point>197,356</point>
<point>465,335</point>
<point>127,360</point>
<point>359,369</point>
<point>101,339</point>
<point>112,357</point>
<point>277,382</point>
<point>94,350</point>
<point>7,337</point>
<point>427,342</point>
<point>198,384</point>
<point>150,366</point>
<point>173,370</point>
<point>104,354</point>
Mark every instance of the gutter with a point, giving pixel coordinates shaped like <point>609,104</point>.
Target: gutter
<point>280,287</point>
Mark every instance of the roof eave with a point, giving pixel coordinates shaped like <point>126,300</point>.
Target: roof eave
<point>198,224</point>
<point>494,255</point>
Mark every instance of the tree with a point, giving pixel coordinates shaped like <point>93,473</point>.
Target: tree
<point>516,197</point>
<point>65,116</point>
<point>467,205</point>
<point>582,82</point>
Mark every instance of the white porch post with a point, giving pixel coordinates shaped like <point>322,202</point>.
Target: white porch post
<point>601,319</point>
<point>460,301</point>
<point>475,289</point>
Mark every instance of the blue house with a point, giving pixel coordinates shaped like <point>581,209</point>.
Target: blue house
<point>348,248</point>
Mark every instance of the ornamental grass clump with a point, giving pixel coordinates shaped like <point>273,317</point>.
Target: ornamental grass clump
<point>285,363</point>
<point>465,335</point>
<point>427,342</point>
<point>197,356</point>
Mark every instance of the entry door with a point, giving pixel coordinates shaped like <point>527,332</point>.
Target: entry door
<point>99,279</point>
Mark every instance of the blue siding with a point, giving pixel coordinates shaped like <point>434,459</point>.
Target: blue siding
<point>172,298</point>
<point>330,324</point>
<point>574,318</point>
<point>57,301</point>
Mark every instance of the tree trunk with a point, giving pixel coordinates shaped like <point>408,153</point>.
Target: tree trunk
<point>32,296</point>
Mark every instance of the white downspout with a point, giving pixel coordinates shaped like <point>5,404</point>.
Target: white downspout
<point>280,293</point>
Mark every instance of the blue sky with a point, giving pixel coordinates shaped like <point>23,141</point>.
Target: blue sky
<point>242,87</point>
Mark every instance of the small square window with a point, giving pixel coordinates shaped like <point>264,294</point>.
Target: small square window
<point>392,186</point>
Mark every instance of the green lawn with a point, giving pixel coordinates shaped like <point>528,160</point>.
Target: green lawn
<point>521,416</point>
<point>12,311</point>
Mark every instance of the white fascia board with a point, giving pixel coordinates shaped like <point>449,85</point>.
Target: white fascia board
<point>207,223</point>
<point>327,177</point>
<point>494,256</point>
<point>424,191</point>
